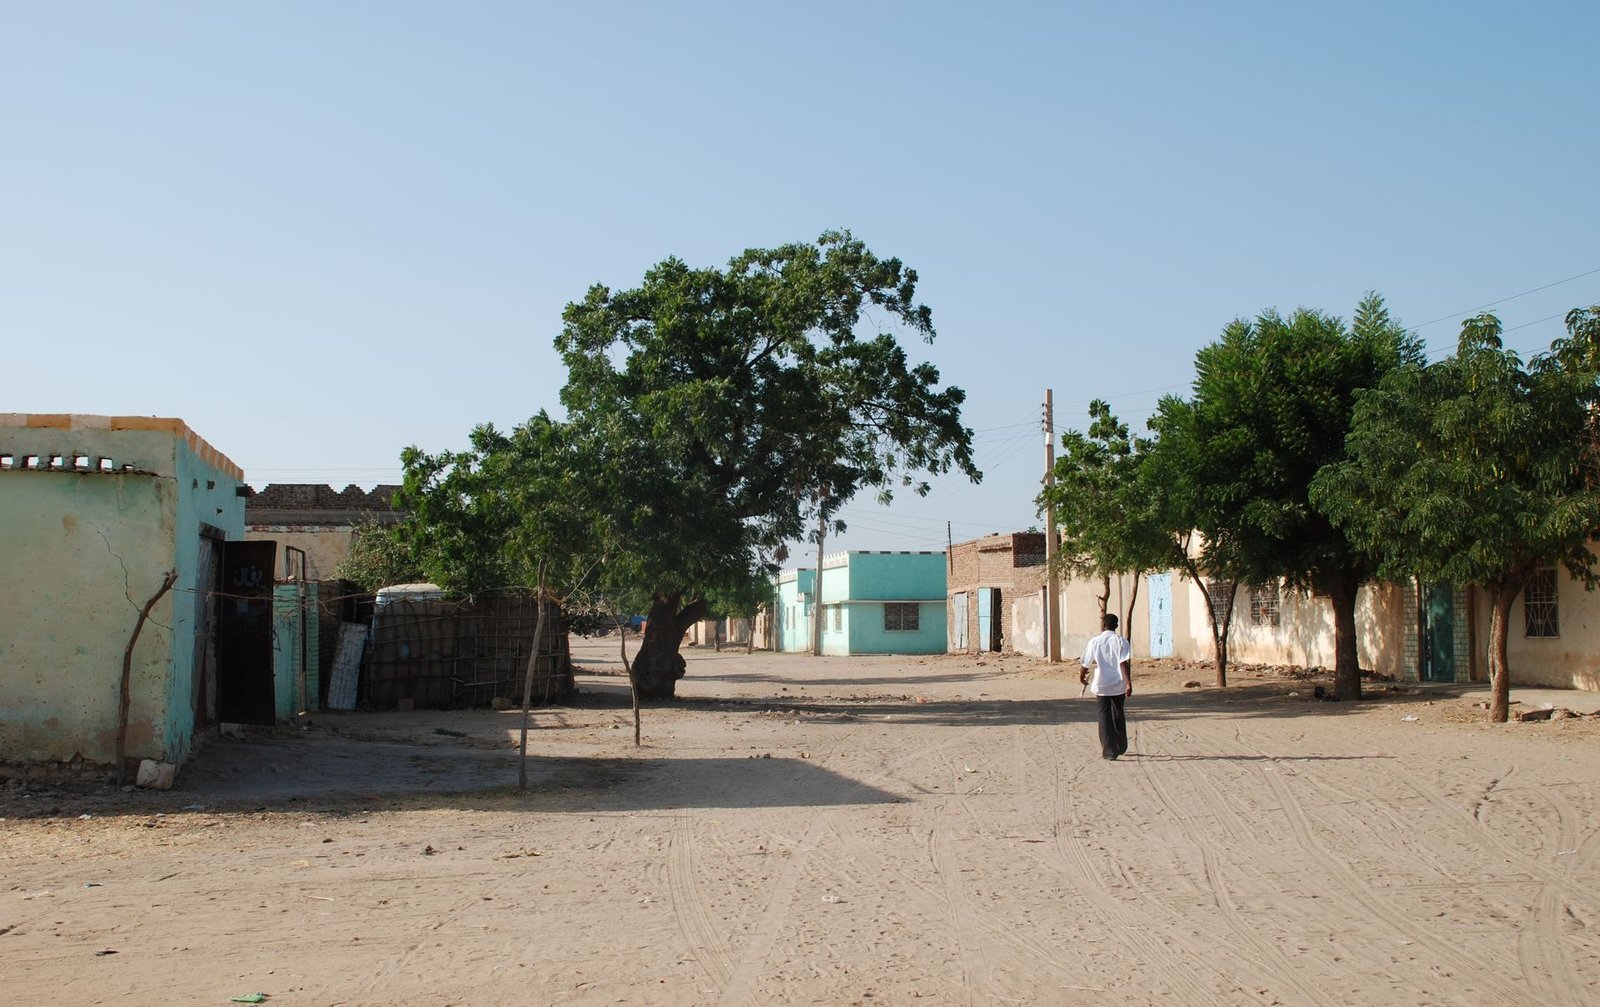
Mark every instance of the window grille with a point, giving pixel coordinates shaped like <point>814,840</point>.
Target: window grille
<point>836,620</point>
<point>1264,604</point>
<point>1539,604</point>
<point>1220,591</point>
<point>902,617</point>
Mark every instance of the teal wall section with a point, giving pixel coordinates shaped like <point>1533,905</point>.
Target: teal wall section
<point>206,495</point>
<point>794,612</point>
<point>859,583</point>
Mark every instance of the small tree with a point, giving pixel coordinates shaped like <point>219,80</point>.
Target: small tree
<point>1191,518</point>
<point>1107,521</point>
<point>1472,471</point>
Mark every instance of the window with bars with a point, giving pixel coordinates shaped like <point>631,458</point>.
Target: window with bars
<point>1220,592</point>
<point>835,621</point>
<point>902,617</point>
<point>1540,614</point>
<point>1264,604</point>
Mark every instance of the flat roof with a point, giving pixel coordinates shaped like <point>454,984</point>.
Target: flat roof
<point>161,424</point>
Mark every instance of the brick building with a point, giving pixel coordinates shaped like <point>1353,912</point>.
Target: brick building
<point>996,594</point>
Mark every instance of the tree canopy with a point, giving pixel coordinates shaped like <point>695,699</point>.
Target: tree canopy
<point>1107,518</point>
<point>713,415</point>
<point>1270,408</point>
<point>1471,471</point>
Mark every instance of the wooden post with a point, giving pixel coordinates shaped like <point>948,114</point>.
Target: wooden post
<point>1052,594</point>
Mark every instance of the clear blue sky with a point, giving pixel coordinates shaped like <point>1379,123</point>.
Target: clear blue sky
<point>320,232</point>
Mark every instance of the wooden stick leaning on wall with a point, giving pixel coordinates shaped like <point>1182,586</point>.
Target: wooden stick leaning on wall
<point>125,698</point>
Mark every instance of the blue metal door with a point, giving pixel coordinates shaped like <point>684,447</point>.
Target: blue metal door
<point>985,616</point>
<point>958,622</point>
<point>1160,614</point>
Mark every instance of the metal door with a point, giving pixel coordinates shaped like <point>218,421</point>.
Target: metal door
<point>958,621</point>
<point>1160,614</point>
<point>244,634</point>
<point>1441,664</point>
<point>985,616</point>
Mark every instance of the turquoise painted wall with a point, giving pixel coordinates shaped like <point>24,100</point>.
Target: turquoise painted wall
<point>859,581</point>
<point>794,623</point>
<point>206,495</point>
<point>867,635</point>
<point>287,627</point>
<point>83,551</point>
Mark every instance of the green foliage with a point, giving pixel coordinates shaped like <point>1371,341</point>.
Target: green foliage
<point>380,555</point>
<point>1470,470</point>
<point>490,517</point>
<point>712,413</point>
<point>1272,405</point>
<point>1107,516</point>
<point>739,401</point>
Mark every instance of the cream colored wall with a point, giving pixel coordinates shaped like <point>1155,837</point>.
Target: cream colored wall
<point>1568,661</point>
<point>1304,634</point>
<point>324,546</point>
<point>1080,613</point>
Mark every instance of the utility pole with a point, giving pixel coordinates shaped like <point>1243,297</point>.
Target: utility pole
<point>1052,593</point>
<point>816,580</point>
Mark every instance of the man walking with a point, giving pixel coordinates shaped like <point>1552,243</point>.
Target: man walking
<point>1108,657</point>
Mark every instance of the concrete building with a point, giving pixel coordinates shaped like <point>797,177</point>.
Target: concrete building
<point>95,512</point>
<point>872,603</point>
<point>1554,638</point>
<point>792,611</point>
<point>996,594</point>
<point>315,519</point>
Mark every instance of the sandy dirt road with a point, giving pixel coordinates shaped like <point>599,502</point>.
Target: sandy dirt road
<point>836,831</point>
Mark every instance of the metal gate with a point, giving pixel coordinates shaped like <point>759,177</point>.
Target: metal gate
<point>958,622</point>
<point>244,634</point>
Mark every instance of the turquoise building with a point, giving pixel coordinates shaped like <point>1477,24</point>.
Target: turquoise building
<point>872,603</point>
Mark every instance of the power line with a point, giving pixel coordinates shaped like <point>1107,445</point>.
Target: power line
<point>1525,293</point>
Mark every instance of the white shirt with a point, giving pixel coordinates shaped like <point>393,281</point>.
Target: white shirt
<point>1105,655</point>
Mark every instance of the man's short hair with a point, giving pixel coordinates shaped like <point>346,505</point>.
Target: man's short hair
<point>1108,621</point>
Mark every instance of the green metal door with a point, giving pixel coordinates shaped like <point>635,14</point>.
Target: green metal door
<point>1441,664</point>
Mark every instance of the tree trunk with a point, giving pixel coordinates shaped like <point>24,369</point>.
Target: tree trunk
<point>633,687</point>
<point>1127,618</point>
<point>527,681</point>
<point>1219,631</point>
<point>1342,588</point>
<point>1105,593</point>
<point>1499,672</point>
<point>658,665</point>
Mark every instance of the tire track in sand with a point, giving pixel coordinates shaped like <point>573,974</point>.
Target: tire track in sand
<point>689,907</point>
<point>1074,862</point>
<point>1348,886</point>
<point>1287,970</point>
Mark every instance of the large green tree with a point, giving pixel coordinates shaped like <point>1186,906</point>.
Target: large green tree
<point>1472,470</point>
<point>1271,407</point>
<point>738,405</point>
